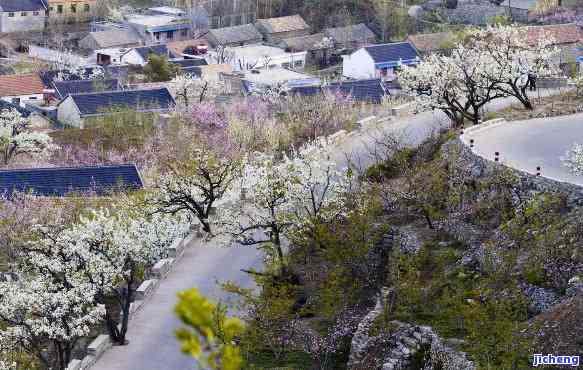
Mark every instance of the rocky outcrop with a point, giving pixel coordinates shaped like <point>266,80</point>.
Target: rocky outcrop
<point>540,299</point>
<point>405,345</point>
<point>420,347</point>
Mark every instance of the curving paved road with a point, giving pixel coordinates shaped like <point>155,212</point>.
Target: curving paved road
<point>151,331</point>
<point>525,145</point>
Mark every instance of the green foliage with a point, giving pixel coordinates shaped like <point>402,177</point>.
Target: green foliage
<point>392,167</point>
<point>500,20</point>
<point>121,131</point>
<point>208,333</point>
<point>462,304</point>
<point>159,69</point>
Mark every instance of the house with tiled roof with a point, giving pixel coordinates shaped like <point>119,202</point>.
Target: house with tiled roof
<point>379,61</point>
<point>566,37</point>
<point>19,89</point>
<point>63,181</point>
<point>132,56</point>
<point>22,15</point>
<point>519,10</point>
<point>66,88</point>
<point>115,38</point>
<point>283,27</point>
<point>76,109</point>
<point>366,91</point>
<point>245,34</point>
<point>430,43</point>
<point>351,37</point>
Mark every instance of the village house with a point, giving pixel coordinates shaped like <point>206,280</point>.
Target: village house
<point>19,89</point>
<point>245,34</point>
<point>160,28</point>
<point>317,46</point>
<point>282,27</point>
<point>133,56</point>
<point>63,181</point>
<point>22,15</point>
<point>264,56</point>
<point>71,10</point>
<point>65,88</point>
<point>351,37</point>
<point>379,61</point>
<point>77,109</point>
<point>115,38</point>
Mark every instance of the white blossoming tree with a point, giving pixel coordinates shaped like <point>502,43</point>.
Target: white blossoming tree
<point>456,84</point>
<point>52,304</point>
<point>195,185</point>
<point>116,250</point>
<point>17,137</point>
<point>293,194</point>
<point>573,159</point>
<point>513,56</point>
<point>491,63</point>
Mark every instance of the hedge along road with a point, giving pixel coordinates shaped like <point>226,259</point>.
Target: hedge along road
<point>153,345</point>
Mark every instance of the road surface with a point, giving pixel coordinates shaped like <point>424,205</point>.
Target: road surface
<point>526,145</point>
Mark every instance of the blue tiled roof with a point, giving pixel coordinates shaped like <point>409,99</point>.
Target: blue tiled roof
<point>64,88</point>
<point>305,90</point>
<point>371,91</point>
<point>62,181</point>
<point>186,63</point>
<point>22,5</point>
<point>386,53</point>
<point>145,51</point>
<point>140,100</point>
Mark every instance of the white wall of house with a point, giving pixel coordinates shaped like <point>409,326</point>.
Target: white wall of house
<point>359,65</point>
<point>22,99</point>
<point>22,21</point>
<point>68,113</point>
<point>133,57</point>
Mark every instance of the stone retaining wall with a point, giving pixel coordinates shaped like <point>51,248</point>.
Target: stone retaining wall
<point>527,183</point>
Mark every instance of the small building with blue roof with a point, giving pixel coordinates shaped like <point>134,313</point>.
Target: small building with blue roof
<point>62,181</point>
<point>379,61</point>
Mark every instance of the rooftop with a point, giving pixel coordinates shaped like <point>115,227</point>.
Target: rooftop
<point>353,33</point>
<point>153,20</point>
<point>431,41</point>
<point>62,181</point>
<point>283,24</point>
<point>141,100</point>
<point>168,10</point>
<point>567,33</point>
<point>65,88</point>
<point>274,76</point>
<point>371,90</point>
<point>21,5</point>
<point>235,34</point>
<point>112,38</point>
<point>394,52</point>
<point>304,43</point>
<point>26,84</point>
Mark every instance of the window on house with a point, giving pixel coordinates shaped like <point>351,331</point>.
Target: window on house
<point>157,35</point>
<point>169,35</point>
<point>60,9</point>
<point>11,14</point>
<point>15,100</point>
<point>298,64</point>
<point>87,8</point>
<point>285,65</point>
<point>184,33</point>
<point>32,98</point>
<point>73,8</point>
<point>50,9</point>
<point>23,14</point>
<point>35,13</point>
